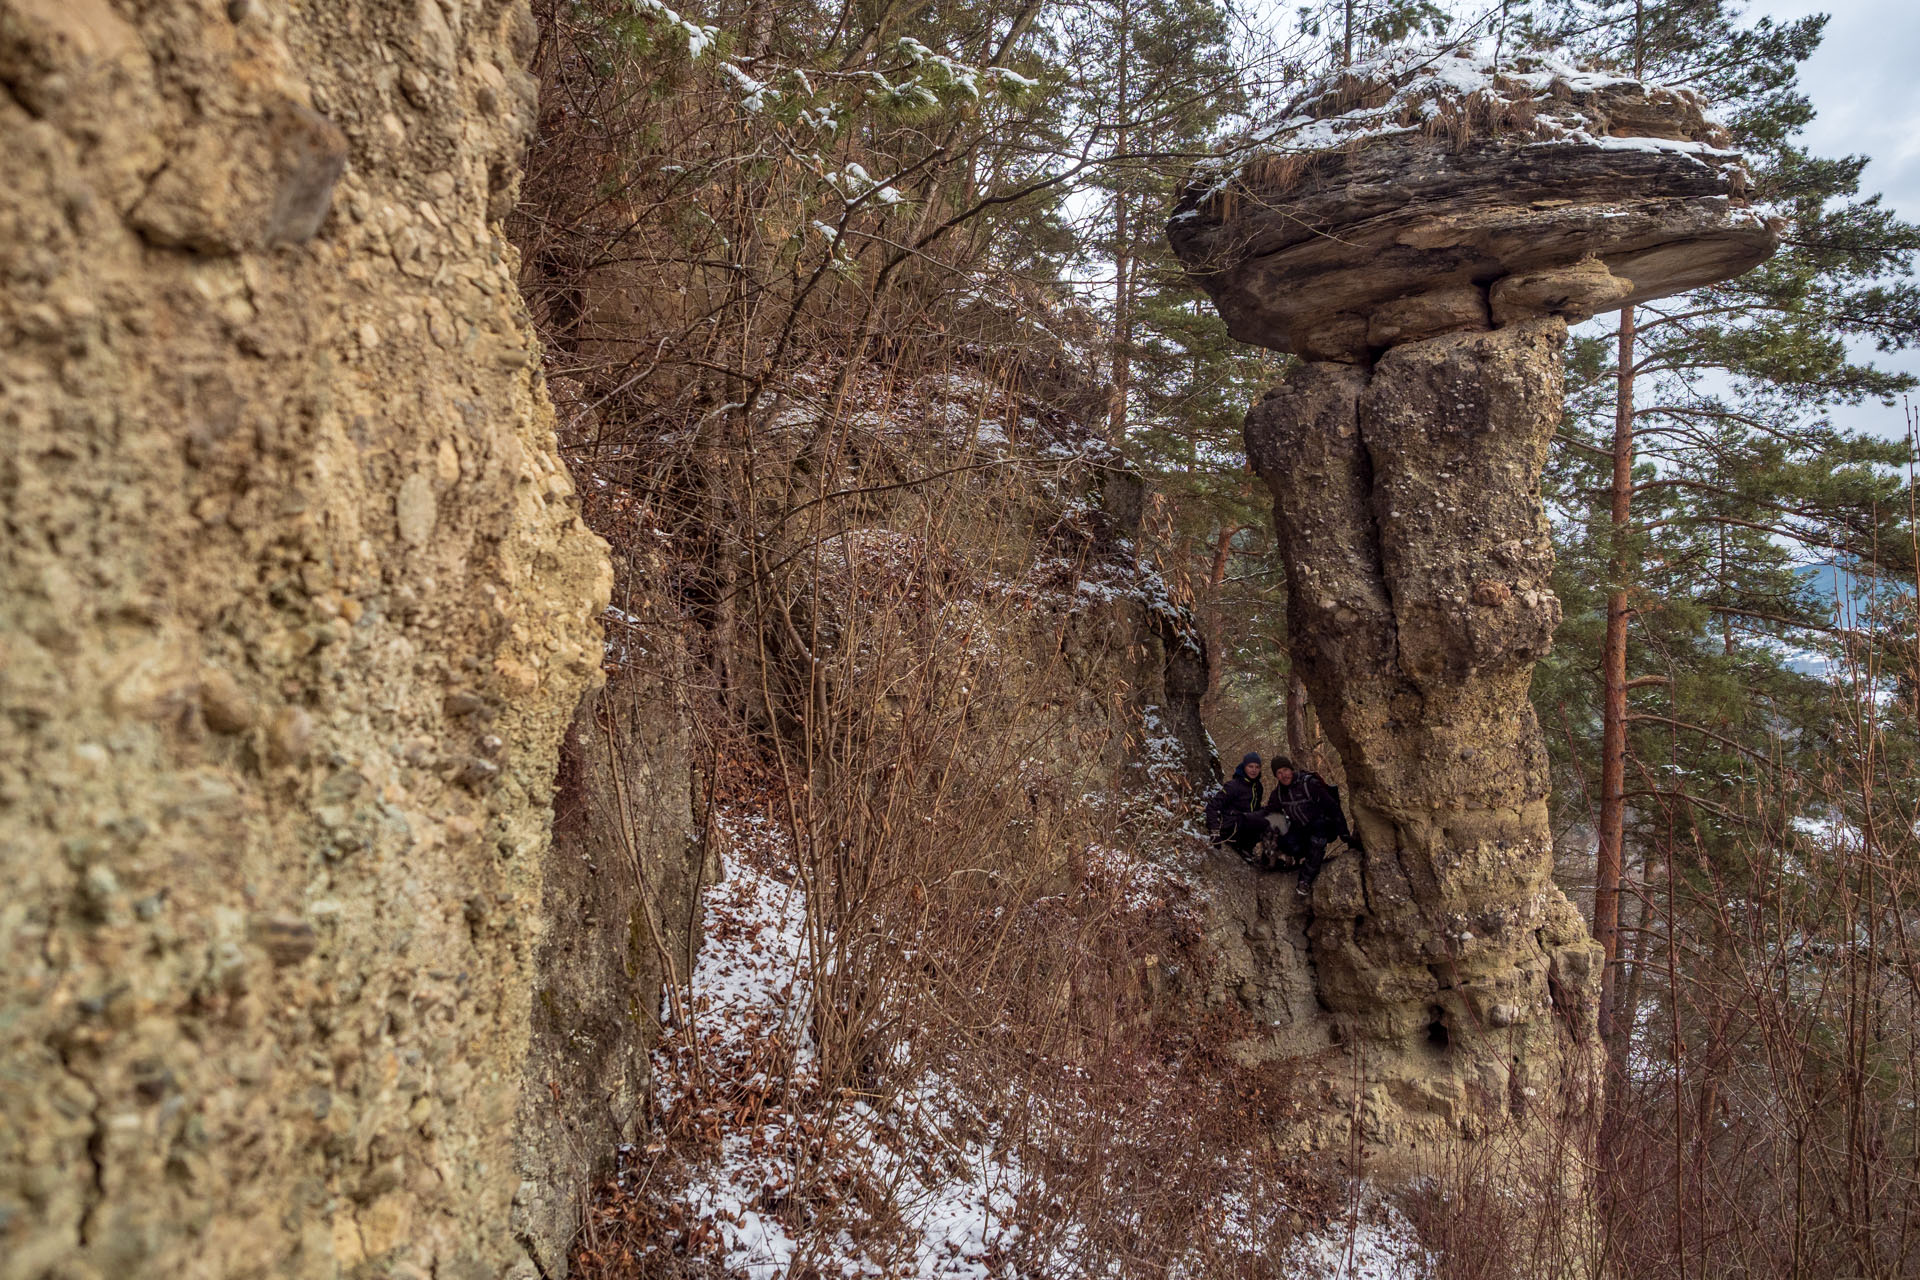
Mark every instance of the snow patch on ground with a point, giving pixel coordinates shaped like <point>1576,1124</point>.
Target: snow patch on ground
<point>763,1176</point>
<point>741,1070</point>
<point>1379,1244</point>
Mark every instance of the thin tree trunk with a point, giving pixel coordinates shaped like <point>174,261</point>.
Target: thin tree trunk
<point>1726,619</point>
<point>1613,676</point>
<point>1300,735</point>
<point>1122,367</point>
<point>1627,1004</point>
<point>1217,574</point>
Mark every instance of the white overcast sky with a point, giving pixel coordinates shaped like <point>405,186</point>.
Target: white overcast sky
<point>1862,83</point>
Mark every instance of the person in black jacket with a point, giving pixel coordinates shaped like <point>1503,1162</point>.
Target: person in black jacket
<point>1234,812</point>
<point>1313,819</point>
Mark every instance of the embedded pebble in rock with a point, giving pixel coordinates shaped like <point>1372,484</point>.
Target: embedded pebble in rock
<point>258,518</point>
<point>224,704</point>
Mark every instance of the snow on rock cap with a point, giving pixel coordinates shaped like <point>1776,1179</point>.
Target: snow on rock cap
<point>1431,190</point>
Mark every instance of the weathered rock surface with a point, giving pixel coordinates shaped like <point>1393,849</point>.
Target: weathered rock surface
<point>1413,178</point>
<point>294,610</point>
<point>620,892</point>
<point>1263,961</point>
<point>1418,602</point>
<point>1405,212</point>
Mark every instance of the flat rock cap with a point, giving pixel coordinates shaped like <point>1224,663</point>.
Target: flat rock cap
<point>1396,195</point>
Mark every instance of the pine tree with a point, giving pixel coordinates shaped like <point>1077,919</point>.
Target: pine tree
<point>1356,29</point>
<point>1165,79</point>
<point>1158,79</point>
<point>1699,472</point>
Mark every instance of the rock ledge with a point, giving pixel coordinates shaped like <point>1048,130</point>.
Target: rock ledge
<point>1396,193</point>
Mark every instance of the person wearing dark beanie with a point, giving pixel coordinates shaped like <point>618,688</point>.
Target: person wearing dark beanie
<point>1233,812</point>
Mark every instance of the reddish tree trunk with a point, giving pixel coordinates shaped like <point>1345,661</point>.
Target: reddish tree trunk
<point>1221,550</point>
<point>1613,676</point>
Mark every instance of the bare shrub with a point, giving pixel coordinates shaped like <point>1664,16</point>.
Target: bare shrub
<point>1765,1122</point>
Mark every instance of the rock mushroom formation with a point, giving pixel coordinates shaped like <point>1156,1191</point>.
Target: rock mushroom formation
<point>1434,192</point>
<point>1421,231</point>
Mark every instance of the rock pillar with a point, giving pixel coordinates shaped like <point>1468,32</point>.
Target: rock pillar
<point>1406,497</point>
<point>1421,231</point>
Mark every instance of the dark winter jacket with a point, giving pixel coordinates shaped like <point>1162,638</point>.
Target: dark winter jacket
<point>1244,793</point>
<point>1233,810</point>
<point>1310,805</point>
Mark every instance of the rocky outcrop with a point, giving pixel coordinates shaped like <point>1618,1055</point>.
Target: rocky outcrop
<point>1422,232</point>
<point>294,609</point>
<point>1397,196</point>
<point>620,885</point>
<point>1418,601</point>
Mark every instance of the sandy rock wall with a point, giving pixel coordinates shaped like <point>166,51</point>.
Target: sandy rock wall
<point>294,609</point>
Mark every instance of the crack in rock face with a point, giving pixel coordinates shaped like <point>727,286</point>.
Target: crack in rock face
<point>1422,233</point>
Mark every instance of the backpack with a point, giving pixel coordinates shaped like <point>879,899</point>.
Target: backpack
<point>1332,792</point>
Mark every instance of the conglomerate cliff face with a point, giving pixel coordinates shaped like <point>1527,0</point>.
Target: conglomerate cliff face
<point>1421,232</point>
<point>294,609</point>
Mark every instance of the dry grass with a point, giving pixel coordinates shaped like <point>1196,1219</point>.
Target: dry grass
<point>1508,109</point>
<point>1139,1141</point>
<point>1458,121</point>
